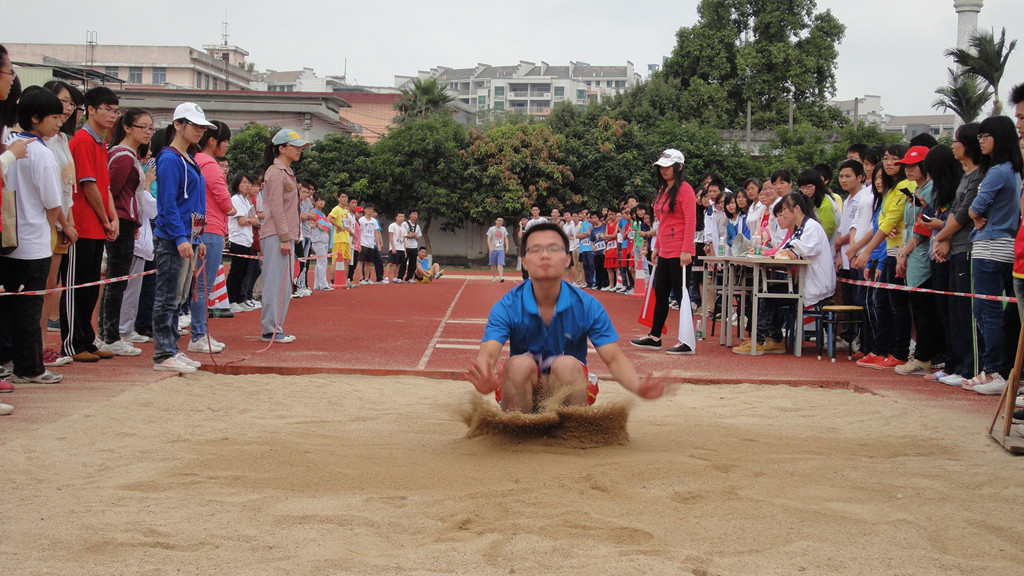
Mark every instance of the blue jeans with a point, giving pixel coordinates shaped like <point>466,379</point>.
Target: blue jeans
<point>204,283</point>
<point>173,279</point>
<point>588,267</point>
<point>991,278</point>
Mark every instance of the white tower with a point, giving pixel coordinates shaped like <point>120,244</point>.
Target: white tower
<point>967,20</point>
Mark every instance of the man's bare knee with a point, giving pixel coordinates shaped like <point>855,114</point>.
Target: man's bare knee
<point>519,379</point>
<point>567,372</point>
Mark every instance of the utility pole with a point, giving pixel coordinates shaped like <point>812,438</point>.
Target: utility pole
<point>90,55</point>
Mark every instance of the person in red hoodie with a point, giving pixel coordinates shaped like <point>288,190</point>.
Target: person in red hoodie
<point>675,208</point>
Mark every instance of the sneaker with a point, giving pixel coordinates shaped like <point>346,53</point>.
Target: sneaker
<point>134,337</point>
<point>122,348</point>
<point>254,304</point>
<point>297,294</point>
<point>887,363</point>
<point>952,380</point>
<point>205,344</point>
<point>607,289</point>
<point>173,364</point>
<point>307,291</point>
<point>679,350</point>
<point>628,292</point>
<point>184,322</point>
<point>363,282</point>
<point>501,280</point>
<point>236,308</point>
<point>53,325</point>
<point>396,281</point>
<point>935,376</point>
<point>6,409</point>
<point>620,289</point>
<point>869,360</point>
<point>46,377</point>
<point>772,347</point>
<point>494,279</point>
<point>1018,417</point>
<point>85,357</point>
<point>994,386</point>
<point>384,281</point>
<point>1019,402</point>
<point>180,356</point>
<point>914,367</point>
<point>216,343</point>
<point>646,342</point>
<point>744,347</point>
<point>970,383</point>
<point>6,386</point>
<point>857,355</point>
<point>279,337</point>
<point>6,369</point>
<point>439,274</point>
<point>52,359</point>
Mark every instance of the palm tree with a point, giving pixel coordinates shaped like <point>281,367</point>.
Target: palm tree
<point>986,58</point>
<point>965,96</point>
<point>424,98</point>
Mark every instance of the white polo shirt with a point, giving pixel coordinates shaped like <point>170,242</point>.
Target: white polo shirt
<point>810,242</point>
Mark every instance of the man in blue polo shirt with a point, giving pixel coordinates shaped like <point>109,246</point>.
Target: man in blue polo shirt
<point>547,322</point>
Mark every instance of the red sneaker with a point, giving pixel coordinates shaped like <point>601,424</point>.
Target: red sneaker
<point>6,386</point>
<point>858,355</point>
<point>869,360</point>
<point>888,363</point>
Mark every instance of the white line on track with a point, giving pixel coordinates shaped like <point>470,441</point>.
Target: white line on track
<point>469,321</point>
<point>440,329</point>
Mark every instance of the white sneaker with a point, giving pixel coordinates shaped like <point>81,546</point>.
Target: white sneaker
<point>134,337</point>
<point>236,308</point>
<point>952,380</point>
<point>397,281</point>
<point>122,348</point>
<point>6,409</point>
<point>216,343</point>
<point>992,387</point>
<point>384,281</point>
<point>184,322</point>
<point>180,356</point>
<point>363,282</point>
<point>173,364</point>
<point>254,304</point>
<point>205,344</point>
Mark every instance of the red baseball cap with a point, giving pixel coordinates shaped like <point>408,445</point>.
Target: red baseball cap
<point>914,156</point>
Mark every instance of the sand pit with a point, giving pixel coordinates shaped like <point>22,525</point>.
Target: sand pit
<point>344,475</point>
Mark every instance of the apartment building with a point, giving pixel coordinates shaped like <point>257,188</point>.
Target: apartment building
<point>216,67</point>
<point>529,88</point>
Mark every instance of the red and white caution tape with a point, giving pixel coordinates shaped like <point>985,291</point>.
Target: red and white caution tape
<point>888,286</point>
<point>20,292</point>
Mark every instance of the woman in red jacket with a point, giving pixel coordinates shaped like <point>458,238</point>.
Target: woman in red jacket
<point>675,208</point>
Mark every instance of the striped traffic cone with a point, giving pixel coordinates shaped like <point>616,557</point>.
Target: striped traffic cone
<point>340,272</point>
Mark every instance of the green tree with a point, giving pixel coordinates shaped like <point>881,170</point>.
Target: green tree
<point>245,153</point>
<point>986,58</point>
<point>964,95</point>
<point>336,162</point>
<point>515,166</point>
<point>767,52</point>
<point>426,97</point>
<point>420,165</point>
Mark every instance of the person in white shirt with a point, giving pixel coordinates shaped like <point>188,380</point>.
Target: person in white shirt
<point>413,235</point>
<point>369,240</point>
<point>35,181</point>
<point>854,224</point>
<point>807,242</point>
<point>396,258</point>
<point>497,247</point>
<point>571,227</point>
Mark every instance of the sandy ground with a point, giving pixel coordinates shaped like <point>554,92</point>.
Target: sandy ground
<point>360,475</point>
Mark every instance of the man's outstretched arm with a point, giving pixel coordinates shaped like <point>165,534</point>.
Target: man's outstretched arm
<point>649,387</point>
<point>482,373</point>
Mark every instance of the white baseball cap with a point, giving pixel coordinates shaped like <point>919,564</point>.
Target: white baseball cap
<point>193,113</point>
<point>670,157</point>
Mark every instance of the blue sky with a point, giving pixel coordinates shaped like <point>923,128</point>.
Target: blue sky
<point>892,48</point>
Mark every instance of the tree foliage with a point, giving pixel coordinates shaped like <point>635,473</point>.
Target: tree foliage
<point>426,97</point>
<point>767,52</point>
<point>420,164</point>
<point>986,58</point>
<point>515,166</point>
<point>245,153</point>
<point>336,162</point>
<point>964,95</point>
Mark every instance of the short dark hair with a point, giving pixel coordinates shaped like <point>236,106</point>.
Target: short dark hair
<point>858,149</point>
<point>924,139</point>
<point>98,96</point>
<point>77,99</point>
<point>1017,94</point>
<point>550,227</point>
<point>317,196</point>
<point>967,136</point>
<point>825,170</point>
<point>219,132</point>
<point>783,175</point>
<point>237,181</point>
<point>857,167</point>
<point>309,183</point>
<point>37,103</point>
<point>369,206</point>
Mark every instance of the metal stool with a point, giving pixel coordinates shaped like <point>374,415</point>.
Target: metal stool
<point>832,319</point>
